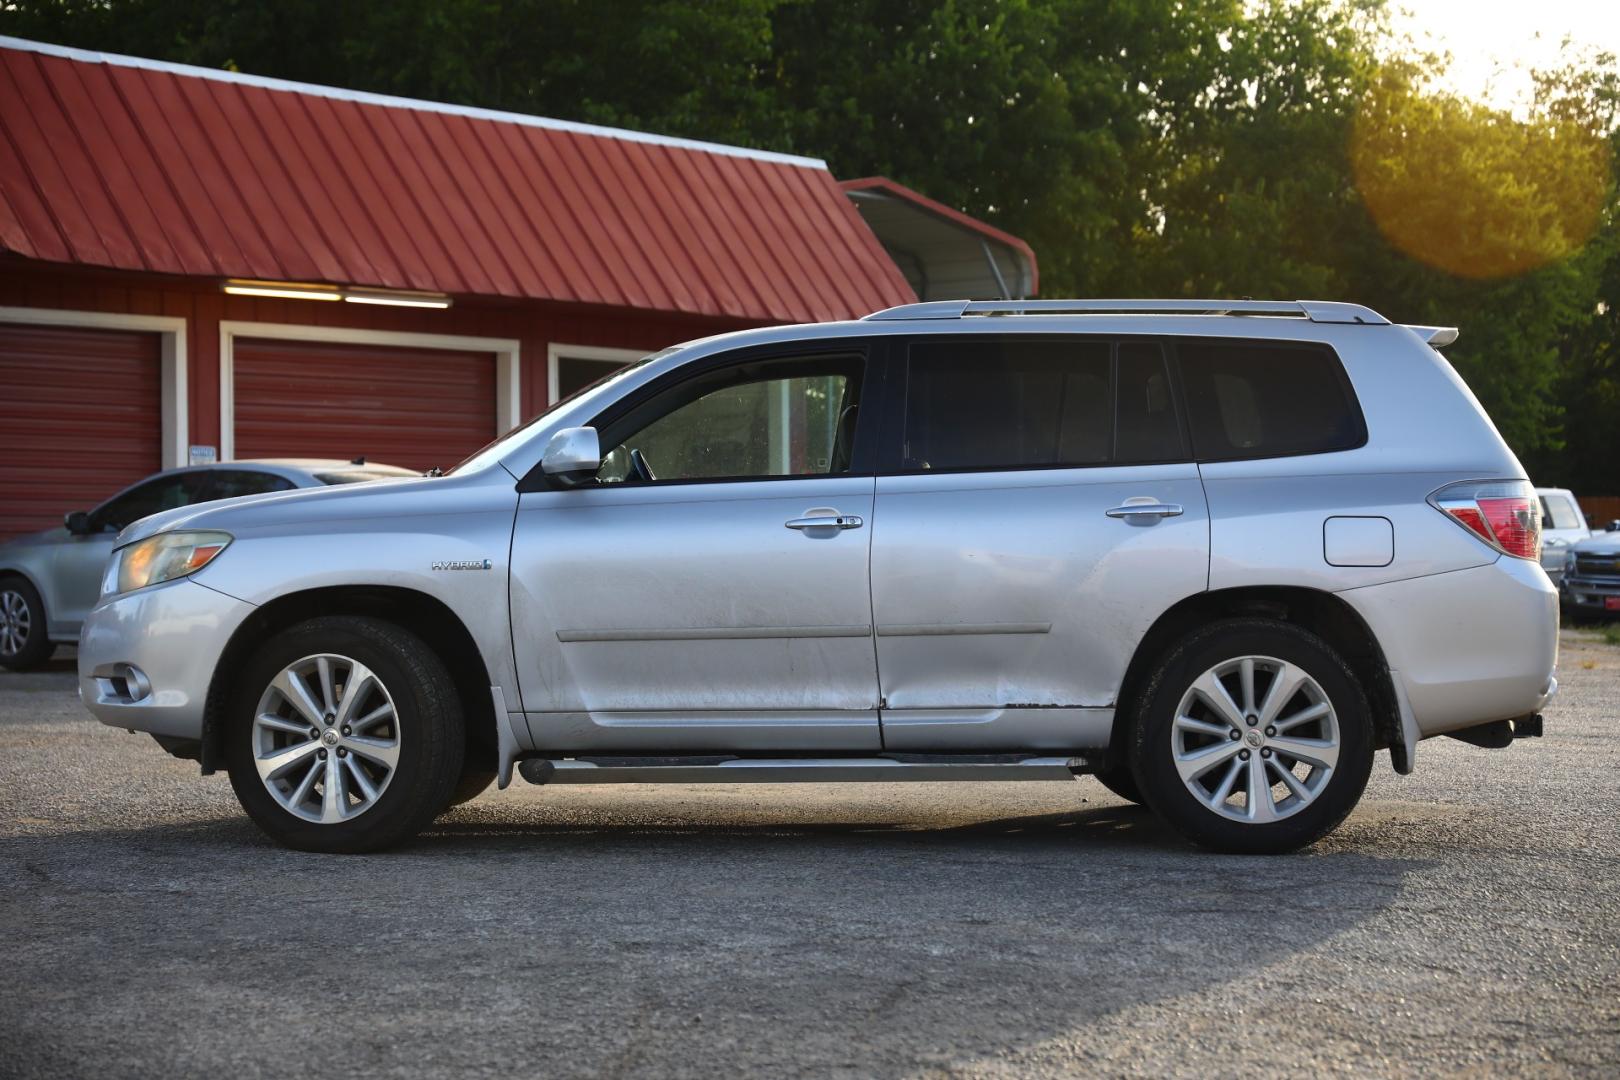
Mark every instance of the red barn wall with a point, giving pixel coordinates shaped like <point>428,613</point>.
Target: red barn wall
<point>204,306</point>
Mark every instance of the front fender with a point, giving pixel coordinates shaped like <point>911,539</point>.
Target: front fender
<point>459,556</point>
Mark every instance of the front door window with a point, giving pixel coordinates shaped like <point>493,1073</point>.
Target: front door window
<point>791,420</point>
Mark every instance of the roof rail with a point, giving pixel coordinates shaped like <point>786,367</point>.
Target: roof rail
<point>1321,311</point>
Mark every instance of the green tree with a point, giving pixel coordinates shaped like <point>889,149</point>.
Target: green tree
<point>1285,148</point>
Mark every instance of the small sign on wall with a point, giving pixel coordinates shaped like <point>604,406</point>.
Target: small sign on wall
<point>203,455</point>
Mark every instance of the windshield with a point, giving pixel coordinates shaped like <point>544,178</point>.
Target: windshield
<point>493,451</point>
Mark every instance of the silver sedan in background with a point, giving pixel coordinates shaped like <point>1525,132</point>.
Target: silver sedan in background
<point>49,580</point>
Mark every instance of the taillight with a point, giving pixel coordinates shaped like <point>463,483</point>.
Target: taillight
<point>1504,513</point>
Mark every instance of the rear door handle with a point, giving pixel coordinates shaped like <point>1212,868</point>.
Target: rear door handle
<point>840,521</point>
<point>1145,509</point>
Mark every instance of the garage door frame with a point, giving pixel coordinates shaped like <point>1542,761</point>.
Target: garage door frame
<point>171,331</point>
<point>508,370</point>
<point>556,351</point>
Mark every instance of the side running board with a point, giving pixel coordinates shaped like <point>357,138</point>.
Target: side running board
<point>735,770</point>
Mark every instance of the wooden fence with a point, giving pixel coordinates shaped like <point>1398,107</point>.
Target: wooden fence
<point>1601,509</point>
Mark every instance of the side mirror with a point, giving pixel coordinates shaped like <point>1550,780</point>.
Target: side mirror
<point>573,455</point>
<point>78,523</point>
<point>1614,526</point>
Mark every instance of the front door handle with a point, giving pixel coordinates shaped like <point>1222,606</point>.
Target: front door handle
<point>1147,508</point>
<point>829,521</point>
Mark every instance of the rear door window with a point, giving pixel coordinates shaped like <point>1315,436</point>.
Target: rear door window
<point>992,403</point>
<point>1252,399</point>
<point>1007,405</point>
<point>1147,428</point>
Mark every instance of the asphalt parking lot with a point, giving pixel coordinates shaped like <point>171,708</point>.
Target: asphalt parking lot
<point>1464,920</point>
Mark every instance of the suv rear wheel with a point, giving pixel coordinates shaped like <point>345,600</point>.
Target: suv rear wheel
<point>346,735</point>
<point>1254,738</point>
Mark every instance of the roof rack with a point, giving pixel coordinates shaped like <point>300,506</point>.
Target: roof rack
<point>1321,311</point>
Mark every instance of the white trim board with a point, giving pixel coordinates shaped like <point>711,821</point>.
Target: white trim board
<point>583,352</point>
<point>171,331</point>
<point>88,56</point>
<point>508,370</point>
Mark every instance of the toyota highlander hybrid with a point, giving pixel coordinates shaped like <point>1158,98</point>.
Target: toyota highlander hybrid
<point>1216,554</point>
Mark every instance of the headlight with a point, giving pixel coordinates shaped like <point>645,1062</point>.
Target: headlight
<point>161,558</point>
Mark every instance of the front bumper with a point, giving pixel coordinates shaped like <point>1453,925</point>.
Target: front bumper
<point>146,658</point>
<point>1588,595</point>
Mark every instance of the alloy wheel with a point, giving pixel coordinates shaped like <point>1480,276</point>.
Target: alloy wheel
<point>1255,739</point>
<point>326,738</point>
<point>16,622</point>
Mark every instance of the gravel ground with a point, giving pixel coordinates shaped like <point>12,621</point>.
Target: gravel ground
<point>1462,921</point>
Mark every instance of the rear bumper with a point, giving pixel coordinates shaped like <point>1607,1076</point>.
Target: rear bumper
<point>146,659</point>
<point>1470,646</point>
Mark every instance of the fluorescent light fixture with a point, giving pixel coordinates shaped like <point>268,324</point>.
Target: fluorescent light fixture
<point>396,298</point>
<point>281,290</point>
<point>297,290</point>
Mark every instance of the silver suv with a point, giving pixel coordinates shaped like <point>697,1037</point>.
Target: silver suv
<point>1216,554</point>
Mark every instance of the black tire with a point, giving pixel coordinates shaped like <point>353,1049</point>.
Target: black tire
<point>1153,764</point>
<point>473,783</point>
<point>36,647</point>
<point>1121,782</point>
<point>428,713</point>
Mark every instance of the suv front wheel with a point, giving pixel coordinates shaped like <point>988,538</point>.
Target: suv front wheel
<point>1253,738</point>
<point>346,735</point>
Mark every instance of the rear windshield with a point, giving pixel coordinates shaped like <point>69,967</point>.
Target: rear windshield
<point>1251,399</point>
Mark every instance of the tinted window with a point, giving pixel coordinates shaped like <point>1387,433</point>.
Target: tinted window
<point>1146,426</point>
<point>161,493</point>
<point>990,404</point>
<point>229,483</point>
<point>753,422</point>
<point>1254,399</point>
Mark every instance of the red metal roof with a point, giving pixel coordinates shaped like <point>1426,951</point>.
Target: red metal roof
<point>132,164</point>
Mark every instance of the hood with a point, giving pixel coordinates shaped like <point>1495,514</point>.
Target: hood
<point>1601,544</point>
<point>249,513</point>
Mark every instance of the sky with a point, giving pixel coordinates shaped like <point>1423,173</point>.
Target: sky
<point>1487,38</point>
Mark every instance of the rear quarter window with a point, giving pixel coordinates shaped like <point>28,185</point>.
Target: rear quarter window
<point>1251,399</point>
